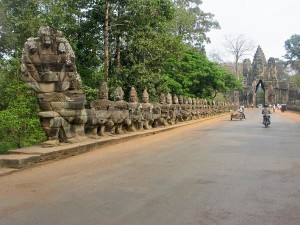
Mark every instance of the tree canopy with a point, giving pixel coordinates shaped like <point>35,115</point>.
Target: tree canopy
<point>158,45</point>
<point>292,47</point>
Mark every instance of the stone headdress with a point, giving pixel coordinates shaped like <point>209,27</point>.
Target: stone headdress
<point>120,93</point>
<point>104,91</point>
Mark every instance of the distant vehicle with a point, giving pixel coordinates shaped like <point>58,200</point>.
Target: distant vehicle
<point>259,105</point>
<point>283,107</point>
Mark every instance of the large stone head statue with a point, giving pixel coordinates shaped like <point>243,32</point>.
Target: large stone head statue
<point>133,95</point>
<point>180,100</point>
<point>103,91</point>
<point>175,99</point>
<point>119,94</point>
<point>162,98</point>
<point>48,63</point>
<point>169,98</point>
<point>145,96</point>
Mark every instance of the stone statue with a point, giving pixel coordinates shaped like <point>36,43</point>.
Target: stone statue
<point>194,112</point>
<point>48,65</point>
<point>147,111</point>
<point>157,112</point>
<point>259,63</point>
<point>100,112</point>
<point>135,111</point>
<point>120,112</point>
<point>185,108</point>
<point>165,109</point>
<point>175,114</point>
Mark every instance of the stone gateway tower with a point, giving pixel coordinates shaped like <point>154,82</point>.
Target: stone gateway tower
<point>260,83</point>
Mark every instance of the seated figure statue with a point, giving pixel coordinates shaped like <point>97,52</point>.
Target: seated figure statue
<point>156,114</point>
<point>194,109</point>
<point>48,65</point>
<point>175,114</point>
<point>100,113</point>
<point>147,111</point>
<point>164,110</point>
<point>120,112</point>
<point>135,111</point>
<point>185,108</point>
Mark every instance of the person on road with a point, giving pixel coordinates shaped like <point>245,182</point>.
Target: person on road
<point>241,111</point>
<point>266,112</point>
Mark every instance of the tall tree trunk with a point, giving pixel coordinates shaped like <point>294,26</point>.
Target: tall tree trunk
<point>106,63</point>
<point>120,12</point>
<point>236,67</point>
<point>118,52</point>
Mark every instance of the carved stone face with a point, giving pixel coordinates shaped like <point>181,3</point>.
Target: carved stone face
<point>32,46</point>
<point>133,95</point>
<point>104,91</point>
<point>119,94</point>
<point>145,96</point>
<point>46,40</point>
<point>132,98</point>
<point>175,99</point>
<point>185,100</point>
<point>45,35</point>
<point>162,98</point>
<point>180,99</point>
<point>169,98</point>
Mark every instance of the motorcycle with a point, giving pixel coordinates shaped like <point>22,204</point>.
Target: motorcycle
<point>266,120</point>
<point>236,115</point>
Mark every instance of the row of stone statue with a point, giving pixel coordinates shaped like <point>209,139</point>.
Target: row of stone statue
<point>48,65</point>
<point>118,116</point>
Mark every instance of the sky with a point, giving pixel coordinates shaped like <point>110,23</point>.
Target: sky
<point>268,23</point>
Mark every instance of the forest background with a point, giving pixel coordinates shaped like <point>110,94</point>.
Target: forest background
<point>153,44</point>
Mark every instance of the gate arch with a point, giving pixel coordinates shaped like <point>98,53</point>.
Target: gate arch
<point>260,93</point>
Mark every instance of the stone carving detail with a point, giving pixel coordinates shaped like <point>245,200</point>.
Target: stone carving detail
<point>120,113</point>
<point>100,113</point>
<point>147,111</point>
<point>259,63</point>
<point>265,73</point>
<point>48,65</point>
<point>135,111</point>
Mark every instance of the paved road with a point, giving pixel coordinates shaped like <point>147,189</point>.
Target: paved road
<point>218,172</point>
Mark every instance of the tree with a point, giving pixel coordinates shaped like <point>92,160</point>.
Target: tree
<point>194,75</point>
<point>295,79</point>
<point>283,70</point>
<point>238,45</point>
<point>20,125</point>
<point>292,47</point>
<point>192,24</point>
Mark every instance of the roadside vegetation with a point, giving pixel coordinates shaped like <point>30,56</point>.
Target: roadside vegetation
<point>158,45</point>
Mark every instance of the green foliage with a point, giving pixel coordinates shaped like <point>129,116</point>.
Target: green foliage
<point>194,75</point>
<point>20,125</point>
<point>292,47</point>
<point>295,79</point>
<point>192,24</point>
<point>152,44</point>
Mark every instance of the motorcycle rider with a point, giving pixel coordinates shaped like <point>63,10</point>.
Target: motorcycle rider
<point>241,111</point>
<point>266,112</point>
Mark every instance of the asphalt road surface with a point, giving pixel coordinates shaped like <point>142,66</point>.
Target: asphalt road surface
<point>218,172</point>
